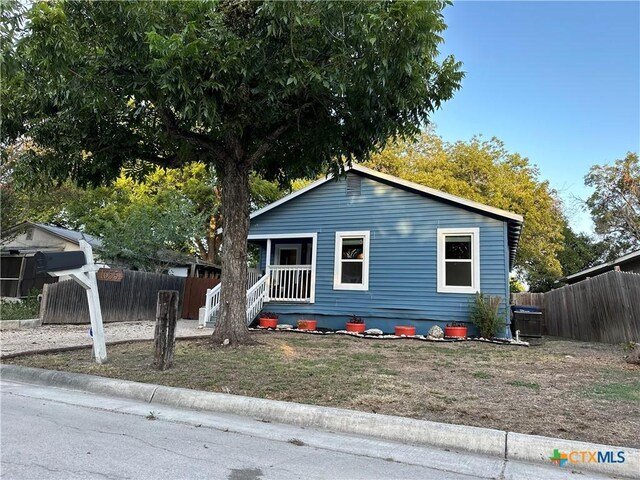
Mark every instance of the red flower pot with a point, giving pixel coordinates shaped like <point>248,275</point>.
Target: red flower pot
<point>404,330</point>
<point>356,327</point>
<point>307,324</point>
<point>455,332</point>
<point>268,322</point>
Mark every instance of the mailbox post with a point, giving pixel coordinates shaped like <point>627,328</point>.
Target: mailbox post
<point>81,268</point>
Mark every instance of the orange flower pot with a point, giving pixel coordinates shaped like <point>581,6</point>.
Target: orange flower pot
<point>404,330</point>
<point>268,322</point>
<point>307,324</point>
<point>455,332</point>
<point>356,327</point>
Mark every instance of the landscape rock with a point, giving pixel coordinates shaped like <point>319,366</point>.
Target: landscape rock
<point>436,332</point>
<point>374,331</point>
<point>284,326</point>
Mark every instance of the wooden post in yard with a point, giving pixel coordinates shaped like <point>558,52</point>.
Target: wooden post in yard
<point>165,333</point>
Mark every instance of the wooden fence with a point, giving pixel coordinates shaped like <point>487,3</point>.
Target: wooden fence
<point>605,308</point>
<point>134,298</point>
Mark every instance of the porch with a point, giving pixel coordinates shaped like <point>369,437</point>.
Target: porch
<point>288,262</point>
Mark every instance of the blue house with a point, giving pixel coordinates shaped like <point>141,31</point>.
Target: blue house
<point>388,250</point>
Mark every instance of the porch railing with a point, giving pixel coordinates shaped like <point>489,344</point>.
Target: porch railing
<point>282,283</point>
<point>256,296</point>
<point>289,283</point>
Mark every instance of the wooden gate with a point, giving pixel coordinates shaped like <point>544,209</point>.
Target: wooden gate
<point>195,292</point>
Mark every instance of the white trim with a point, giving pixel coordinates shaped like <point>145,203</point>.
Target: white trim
<point>475,260</point>
<point>291,196</point>
<point>404,183</point>
<point>314,252</point>
<point>288,246</point>
<point>276,236</point>
<point>337,264</point>
<point>439,194</point>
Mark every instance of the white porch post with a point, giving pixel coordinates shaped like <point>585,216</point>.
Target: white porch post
<point>267,270</point>
<point>314,251</point>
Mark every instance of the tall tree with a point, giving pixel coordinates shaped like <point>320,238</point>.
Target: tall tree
<point>285,89</point>
<point>484,171</point>
<point>615,203</point>
<point>580,251</point>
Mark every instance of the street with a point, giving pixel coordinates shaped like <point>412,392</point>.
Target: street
<point>55,433</point>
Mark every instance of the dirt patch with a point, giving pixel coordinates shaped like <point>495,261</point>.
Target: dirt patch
<point>60,336</point>
<point>574,390</point>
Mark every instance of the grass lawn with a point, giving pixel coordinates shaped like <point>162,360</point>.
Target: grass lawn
<point>576,390</point>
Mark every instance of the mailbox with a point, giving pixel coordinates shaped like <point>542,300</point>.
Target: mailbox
<point>58,261</point>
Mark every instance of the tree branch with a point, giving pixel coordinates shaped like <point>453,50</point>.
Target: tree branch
<point>266,145</point>
<point>170,122</point>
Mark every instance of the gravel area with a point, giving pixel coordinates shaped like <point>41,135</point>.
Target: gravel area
<point>56,336</point>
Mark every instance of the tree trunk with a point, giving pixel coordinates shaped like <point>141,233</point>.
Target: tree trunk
<point>231,327</point>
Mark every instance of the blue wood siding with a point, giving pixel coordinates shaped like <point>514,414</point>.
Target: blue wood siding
<point>402,267</point>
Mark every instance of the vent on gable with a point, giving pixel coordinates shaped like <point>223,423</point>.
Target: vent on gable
<point>354,185</point>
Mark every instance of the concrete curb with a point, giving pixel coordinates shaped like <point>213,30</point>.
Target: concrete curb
<point>497,443</point>
<point>474,439</point>
<point>44,351</point>
<point>18,324</point>
<point>79,381</point>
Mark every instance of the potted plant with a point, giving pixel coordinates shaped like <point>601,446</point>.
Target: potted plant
<point>356,324</point>
<point>307,324</point>
<point>268,320</point>
<point>455,330</point>
<point>405,330</point>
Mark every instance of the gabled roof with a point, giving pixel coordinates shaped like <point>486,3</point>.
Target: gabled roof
<point>598,269</point>
<point>513,220</point>
<point>64,233</point>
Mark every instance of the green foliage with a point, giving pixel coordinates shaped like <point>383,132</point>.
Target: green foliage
<point>580,251</point>
<point>484,171</point>
<point>484,314</point>
<point>515,286</point>
<point>24,310</point>
<point>615,203</point>
<point>285,87</point>
<point>482,375</point>
<point>126,211</point>
<point>520,383</point>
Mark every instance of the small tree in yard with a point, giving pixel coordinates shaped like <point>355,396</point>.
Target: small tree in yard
<point>484,314</point>
<point>283,89</point>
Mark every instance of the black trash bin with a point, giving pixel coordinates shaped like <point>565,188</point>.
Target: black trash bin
<point>529,320</point>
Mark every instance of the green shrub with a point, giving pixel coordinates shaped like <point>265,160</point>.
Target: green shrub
<point>27,308</point>
<point>484,314</point>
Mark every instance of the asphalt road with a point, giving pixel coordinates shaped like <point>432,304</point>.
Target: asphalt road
<point>50,433</point>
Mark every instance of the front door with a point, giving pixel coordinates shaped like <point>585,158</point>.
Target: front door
<point>288,254</point>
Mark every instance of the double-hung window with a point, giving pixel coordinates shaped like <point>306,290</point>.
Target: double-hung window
<point>351,269</point>
<point>458,260</point>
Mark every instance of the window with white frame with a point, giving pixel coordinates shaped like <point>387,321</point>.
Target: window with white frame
<point>351,269</point>
<point>458,260</point>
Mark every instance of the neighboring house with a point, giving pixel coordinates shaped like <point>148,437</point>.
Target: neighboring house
<point>389,250</point>
<point>627,263</point>
<point>19,245</point>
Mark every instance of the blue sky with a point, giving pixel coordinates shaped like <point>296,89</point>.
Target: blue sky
<point>558,82</point>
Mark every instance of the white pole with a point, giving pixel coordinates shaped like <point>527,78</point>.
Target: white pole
<point>95,312</point>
